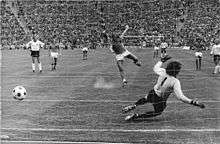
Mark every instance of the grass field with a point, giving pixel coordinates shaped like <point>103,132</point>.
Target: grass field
<point>64,107</point>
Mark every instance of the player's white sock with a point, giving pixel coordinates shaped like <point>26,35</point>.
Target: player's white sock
<point>33,66</point>
<point>216,69</point>
<point>40,66</point>
<point>219,68</point>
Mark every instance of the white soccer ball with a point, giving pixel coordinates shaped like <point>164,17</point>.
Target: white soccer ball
<point>19,93</point>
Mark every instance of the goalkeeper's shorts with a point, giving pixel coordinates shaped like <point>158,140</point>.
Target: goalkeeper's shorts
<point>159,103</point>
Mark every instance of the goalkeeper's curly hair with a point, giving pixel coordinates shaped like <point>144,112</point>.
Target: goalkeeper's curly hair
<point>173,68</point>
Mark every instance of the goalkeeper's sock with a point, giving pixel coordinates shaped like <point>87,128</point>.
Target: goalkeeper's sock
<point>141,101</point>
<point>148,114</point>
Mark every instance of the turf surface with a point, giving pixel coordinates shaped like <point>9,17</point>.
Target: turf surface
<point>63,106</point>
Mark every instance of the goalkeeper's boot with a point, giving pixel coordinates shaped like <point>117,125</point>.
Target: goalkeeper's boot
<point>197,103</point>
<point>131,117</point>
<point>128,108</point>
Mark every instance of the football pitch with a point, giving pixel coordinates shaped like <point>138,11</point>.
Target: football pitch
<point>66,106</point>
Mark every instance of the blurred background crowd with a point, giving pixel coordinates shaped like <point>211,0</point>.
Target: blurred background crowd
<point>73,22</point>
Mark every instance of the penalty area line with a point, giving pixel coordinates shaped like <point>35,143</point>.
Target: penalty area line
<point>59,142</point>
<point>96,101</point>
<point>112,130</point>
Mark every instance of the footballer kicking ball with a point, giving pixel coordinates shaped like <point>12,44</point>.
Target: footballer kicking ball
<point>19,93</point>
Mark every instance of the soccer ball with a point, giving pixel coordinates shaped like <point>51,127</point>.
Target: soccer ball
<point>19,93</point>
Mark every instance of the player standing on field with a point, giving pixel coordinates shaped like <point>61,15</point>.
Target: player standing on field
<point>156,50</point>
<point>198,55</point>
<point>163,47</point>
<point>35,45</point>
<point>216,55</point>
<point>54,51</point>
<point>167,83</point>
<point>121,52</point>
<point>85,52</point>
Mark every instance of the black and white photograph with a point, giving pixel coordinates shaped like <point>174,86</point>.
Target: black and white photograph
<point>110,71</point>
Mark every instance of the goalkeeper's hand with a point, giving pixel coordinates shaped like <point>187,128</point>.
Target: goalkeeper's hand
<point>166,58</point>
<point>195,102</point>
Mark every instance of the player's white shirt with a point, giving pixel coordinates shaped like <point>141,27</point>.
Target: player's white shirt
<point>215,49</point>
<point>156,48</point>
<point>35,46</point>
<point>170,85</point>
<point>144,43</point>
<point>85,49</point>
<point>164,45</point>
<point>198,54</point>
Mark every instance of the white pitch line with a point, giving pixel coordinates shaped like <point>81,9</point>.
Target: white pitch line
<point>112,130</point>
<point>61,142</point>
<point>100,101</point>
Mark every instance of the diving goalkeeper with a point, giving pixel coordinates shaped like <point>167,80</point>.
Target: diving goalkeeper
<point>167,83</point>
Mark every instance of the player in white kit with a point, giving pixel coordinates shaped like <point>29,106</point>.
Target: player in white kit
<point>35,45</point>
<point>198,55</point>
<point>216,55</point>
<point>85,51</point>
<point>167,83</point>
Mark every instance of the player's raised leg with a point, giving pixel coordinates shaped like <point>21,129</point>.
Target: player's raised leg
<point>122,73</point>
<point>134,58</point>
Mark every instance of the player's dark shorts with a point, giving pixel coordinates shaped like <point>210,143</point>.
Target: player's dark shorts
<point>158,102</point>
<point>35,53</point>
<point>163,50</point>
<point>85,51</point>
<point>199,57</point>
<point>216,59</point>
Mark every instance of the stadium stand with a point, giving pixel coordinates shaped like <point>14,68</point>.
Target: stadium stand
<point>177,20</point>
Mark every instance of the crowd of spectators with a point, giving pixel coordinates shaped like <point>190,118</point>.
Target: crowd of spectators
<point>71,22</point>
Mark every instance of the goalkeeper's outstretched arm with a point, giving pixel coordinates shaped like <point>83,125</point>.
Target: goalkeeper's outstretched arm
<point>183,98</point>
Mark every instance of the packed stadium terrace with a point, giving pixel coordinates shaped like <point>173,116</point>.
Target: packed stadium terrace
<point>69,20</point>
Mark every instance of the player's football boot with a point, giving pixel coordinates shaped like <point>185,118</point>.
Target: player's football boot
<point>124,83</point>
<point>131,117</point>
<point>137,63</point>
<point>128,108</point>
